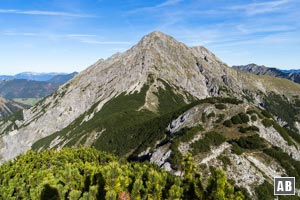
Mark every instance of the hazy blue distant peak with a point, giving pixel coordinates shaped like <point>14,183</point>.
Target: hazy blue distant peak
<point>290,70</point>
<point>39,73</point>
<point>33,76</point>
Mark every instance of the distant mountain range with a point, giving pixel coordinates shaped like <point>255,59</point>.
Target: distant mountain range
<point>32,85</point>
<point>21,88</point>
<point>25,89</point>
<point>56,77</point>
<point>293,75</point>
<point>31,76</point>
<point>291,71</point>
<point>62,78</point>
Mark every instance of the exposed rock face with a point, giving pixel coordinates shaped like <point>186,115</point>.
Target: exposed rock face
<point>247,170</point>
<point>8,107</point>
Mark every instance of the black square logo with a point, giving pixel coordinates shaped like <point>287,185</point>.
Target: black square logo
<point>284,185</point>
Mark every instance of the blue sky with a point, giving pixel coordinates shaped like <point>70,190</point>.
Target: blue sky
<point>69,35</point>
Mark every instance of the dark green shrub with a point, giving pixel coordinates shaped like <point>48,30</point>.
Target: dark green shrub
<point>225,160</point>
<point>245,192</point>
<point>266,114</point>
<point>282,131</point>
<point>236,119</point>
<point>297,102</point>
<point>220,106</point>
<point>210,115</point>
<point>242,129</point>
<point>244,117</point>
<point>249,128</point>
<point>250,112</point>
<point>214,100</point>
<point>227,123</point>
<point>204,144</point>
<point>200,146</point>
<point>265,191</point>
<point>175,158</point>
<point>251,142</point>
<point>189,133</point>
<point>203,118</point>
<point>215,138</point>
<point>291,166</point>
<point>237,149</point>
<point>279,105</point>
<point>294,135</point>
<point>267,122</point>
<point>253,118</point>
<point>253,128</point>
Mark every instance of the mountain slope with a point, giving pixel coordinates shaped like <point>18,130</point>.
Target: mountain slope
<point>152,103</point>
<point>262,70</point>
<point>8,107</point>
<point>61,79</point>
<point>21,88</point>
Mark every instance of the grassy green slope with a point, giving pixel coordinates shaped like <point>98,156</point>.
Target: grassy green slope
<point>27,101</point>
<point>126,128</point>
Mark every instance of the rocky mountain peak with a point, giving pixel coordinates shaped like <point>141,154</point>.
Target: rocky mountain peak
<point>193,72</point>
<point>155,36</point>
<point>160,42</point>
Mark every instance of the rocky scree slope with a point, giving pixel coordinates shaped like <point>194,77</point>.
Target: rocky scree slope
<point>241,138</point>
<point>8,107</point>
<point>137,103</point>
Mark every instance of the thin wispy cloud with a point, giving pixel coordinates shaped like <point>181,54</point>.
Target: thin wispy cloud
<point>79,35</point>
<point>254,28</point>
<point>42,12</point>
<point>10,33</point>
<point>260,7</point>
<point>49,35</point>
<point>164,4</point>
<point>168,3</point>
<point>106,42</point>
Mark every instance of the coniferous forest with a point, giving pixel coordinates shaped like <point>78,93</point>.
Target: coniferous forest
<point>85,173</point>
